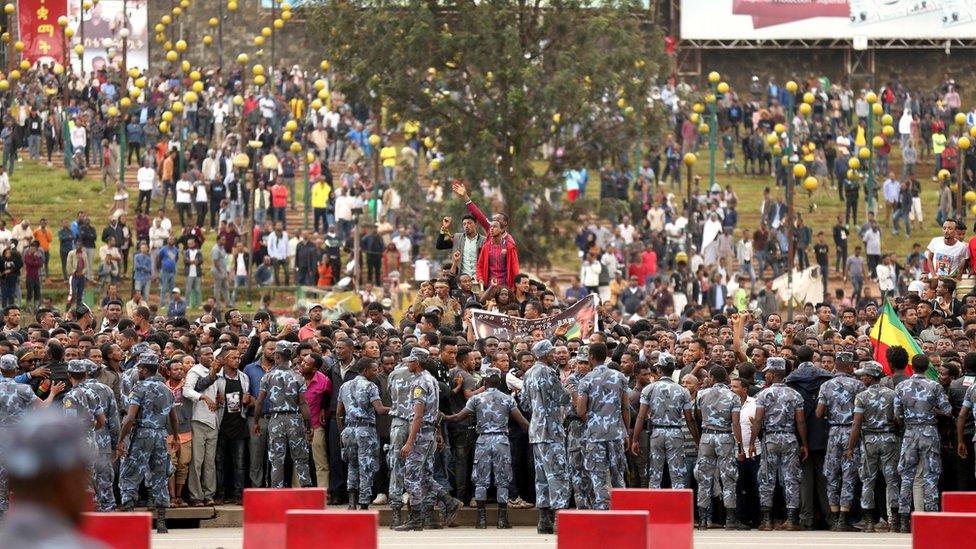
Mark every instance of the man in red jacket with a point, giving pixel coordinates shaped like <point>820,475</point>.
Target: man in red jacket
<point>498,259</point>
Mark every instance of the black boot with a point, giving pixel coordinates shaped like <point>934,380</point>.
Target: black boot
<point>552,521</point>
<point>704,518</point>
<point>353,500</point>
<point>363,506</point>
<point>128,506</point>
<point>161,521</point>
<point>906,523</point>
<point>894,521</point>
<point>503,523</point>
<point>415,522</point>
<point>767,520</point>
<point>868,521</point>
<point>732,522</point>
<point>396,517</point>
<point>843,525</point>
<point>545,526</point>
<point>792,520</point>
<point>832,521</point>
<point>482,522</point>
<point>451,508</point>
<point>432,520</point>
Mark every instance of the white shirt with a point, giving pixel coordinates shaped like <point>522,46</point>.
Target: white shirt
<point>183,190</point>
<point>278,246</point>
<point>627,232</point>
<point>146,176</point>
<point>746,414</point>
<point>404,246</point>
<point>886,277</point>
<point>4,183</point>
<point>267,106</point>
<point>946,260</point>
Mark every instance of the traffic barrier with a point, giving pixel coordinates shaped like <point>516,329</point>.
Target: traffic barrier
<point>940,530</point>
<point>264,513</point>
<point>959,502</point>
<point>119,530</point>
<point>589,529</point>
<point>340,529</point>
<point>671,513</point>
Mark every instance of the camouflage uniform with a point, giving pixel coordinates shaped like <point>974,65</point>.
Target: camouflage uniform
<point>879,445</point>
<point>838,395</point>
<point>969,399</point>
<point>400,382</point>
<point>492,453</point>
<point>418,477</point>
<point>106,438</point>
<point>717,449</point>
<point>780,448</point>
<point>284,390</point>
<point>579,480</point>
<point>360,443</point>
<point>148,456</point>
<point>916,400</point>
<point>667,402</point>
<point>15,400</point>
<point>82,402</point>
<point>605,458</point>
<point>545,397</point>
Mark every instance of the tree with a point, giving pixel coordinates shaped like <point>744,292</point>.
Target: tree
<point>501,85</point>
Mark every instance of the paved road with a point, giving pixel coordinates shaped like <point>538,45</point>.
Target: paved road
<point>469,538</point>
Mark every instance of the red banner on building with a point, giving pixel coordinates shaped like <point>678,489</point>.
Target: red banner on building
<point>39,29</point>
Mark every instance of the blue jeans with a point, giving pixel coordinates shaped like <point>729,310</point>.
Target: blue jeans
<point>230,455</point>
<point>143,287</point>
<point>77,289</point>
<point>34,146</point>
<point>239,282</point>
<point>901,213</point>
<point>192,289</point>
<point>166,281</point>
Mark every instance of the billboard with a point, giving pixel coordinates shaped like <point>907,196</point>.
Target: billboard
<point>827,19</point>
<point>38,29</point>
<point>103,43</point>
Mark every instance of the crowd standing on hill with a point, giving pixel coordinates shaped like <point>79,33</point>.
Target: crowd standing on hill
<point>694,375</point>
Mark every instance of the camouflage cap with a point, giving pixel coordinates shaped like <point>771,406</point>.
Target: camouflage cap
<point>492,372</point>
<point>542,348</point>
<point>9,363</point>
<point>285,347</point>
<point>775,364</point>
<point>870,368</point>
<point>77,367</point>
<point>44,442</point>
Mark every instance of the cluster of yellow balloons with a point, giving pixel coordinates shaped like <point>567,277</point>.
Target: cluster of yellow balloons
<point>278,23</point>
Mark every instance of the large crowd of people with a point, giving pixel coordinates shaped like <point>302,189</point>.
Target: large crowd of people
<point>693,377</point>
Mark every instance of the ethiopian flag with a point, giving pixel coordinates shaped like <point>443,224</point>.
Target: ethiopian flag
<point>888,331</point>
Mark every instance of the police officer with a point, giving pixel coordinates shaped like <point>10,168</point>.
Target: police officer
<point>836,403</point>
<point>107,439</point>
<point>47,458</point>
<point>667,406</point>
<point>150,406</point>
<point>780,416</point>
<point>359,404</point>
<point>418,453</point>
<point>289,421</point>
<point>603,402</point>
<point>918,400</point>
<point>82,402</point>
<point>492,453</point>
<point>545,397</point>
<point>874,427</point>
<point>720,447</point>
<point>15,400</point>
<point>579,479</point>
<point>401,410</point>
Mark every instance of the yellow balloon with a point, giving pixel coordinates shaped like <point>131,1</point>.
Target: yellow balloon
<point>9,8</point>
<point>854,163</point>
<point>799,170</point>
<point>286,137</point>
<point>320,84</point>
<point>698,108</point>
<point>197,86</point>
<point>864,153</point>
<point>316,104</point>
<point>723,87</point>
<point>695,118</point>
<point>689,159</point>
<point>291,125</point>
<point>279,23</point>
<point>970,196</point>
<point>167,45</point>
<point>181,45</point>
<point>79,49</point>
<point>242,59</point>
<point>135,93</point>
<point>710,98</point>
<point>213,21</point>
<point>190,96</point>
<point>972,132</point>
<point>784,161</point>
<point>324,65</point>
<point>877,108</point>
<point>5,38</point>
<point>772,138</point>
<point>973,209</point>
<point>4,85</point>
<point>14,74</point>
<point>133,73</point>
<point>944,174</point>
<point>435,163</point>
<point>184,3</point>
<point>286,15</point>
<point>176,107</point>
<point>195,75</point>
<point>556,117</point>
<point>87,5</point>
<point>125,102</point>
<point>259,80</point>
<point>805,109</point>
<point>810,183</point>
<point>167,116</point>
<point>295,147</point>
<point>259,40</point>
<point>779,128</point>
<point>177,11</point>
<point>257,69</point>
<point>791,86</point>
<point>703,128</point>
<point>808,98</point>
<point>954,187</point>
<point>164,126</point>
<point>159,28</point>
<point>965,143</point>
<point>621,102</point>
<point>714,77</point>
<point>140,82</point>
<point>185,65</point>
<point>231,6</point>
<point>871,98</point>
<point>960,118</point>
<point>266,32</point>
<point>374,140</point>
<point>238,100</point>
<point>69,32</point>
<point>58,69</point>
<point>172,56</point>
<point>25,64</point>
<point>166,19</point>
<point>113,111</point>
<point>285,6</point>
<point>887,120</point>
<point>877,141</point>
<point>888,130</point>
<point>777,150</point>
<point>207,40</point>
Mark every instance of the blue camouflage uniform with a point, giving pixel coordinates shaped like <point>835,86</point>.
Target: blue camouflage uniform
<point>780,448</point>
<point>838,395</point>
<point>492,453</point>
<point>916,401</point>
<point>401,410</point>
<point>667,402</point>
<point>15,400</point>
<point>969,399</point>
<point>717,449</point>
<point>285,390</point>
<point>543,394</point>
<point>579,479</point>
<point>418,477</point>
<point>360,443</point>
<point>106,438</point>
<point>605,458</point>
<point>879,445</point>
<point>148,455</point>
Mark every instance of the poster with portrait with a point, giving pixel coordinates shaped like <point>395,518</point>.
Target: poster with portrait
<point>580,318</point>
<point>102,30</point>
